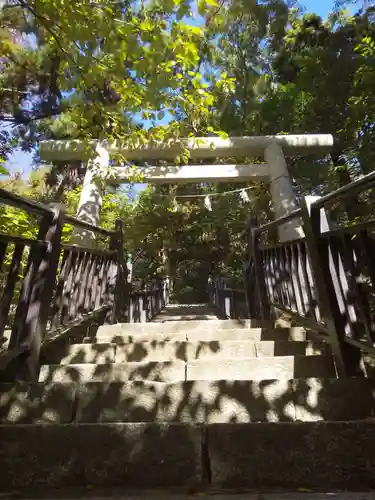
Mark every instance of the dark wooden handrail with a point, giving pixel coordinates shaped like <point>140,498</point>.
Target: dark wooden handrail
<point>16,201</point>
<point>278,222</point>
<point>362,184</point>
<point>33,207</point>
<point>69,219</point>
<point>324,280</point>
<point>51,287</point>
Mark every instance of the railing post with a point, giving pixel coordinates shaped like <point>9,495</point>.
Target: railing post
<point>115,273</point>
<point>143,307</point>
<point>260,283</point>
<point>218,305</point>
<point>251,224</point>
<point>347,358</point>
<point>130,315</point>
<point>166,291</point>
<point>36,295</point>
<point>220,297</point>
<point>210,291</point>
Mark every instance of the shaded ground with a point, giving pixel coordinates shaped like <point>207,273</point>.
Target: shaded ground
<point>211,495</point>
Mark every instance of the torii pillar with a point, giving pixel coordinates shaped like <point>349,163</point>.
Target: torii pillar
<point>282,194</point>
<point>91,198</point>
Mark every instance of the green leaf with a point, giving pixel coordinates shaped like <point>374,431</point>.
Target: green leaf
<point>3,170</point>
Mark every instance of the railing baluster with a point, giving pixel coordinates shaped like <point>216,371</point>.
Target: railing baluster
<point>59,299</point>
<point>13,277</point>
<point>365,245</point>
<point>268,275</point>
<point>105,284</point>
<point>3,249</point>
<point>131,316</point>
<point>315,310</point>
<point>99,282</point>
<point>69,289</point>
<point>293,290</point>
<point>77,285</point>
<point>352,264</point>
<point>83,284</point>
<point>296,280</point>
<point>95,286</point>
<point>340,284</point>
<point>117,264</point>
<point>74,287</point>
<point>284,277</point>
<point>259,276</point>
<point>347,358</point>
<point>275,283</point>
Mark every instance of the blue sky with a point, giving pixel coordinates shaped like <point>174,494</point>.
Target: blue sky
<point>321,7</point>
<point>22,161</point>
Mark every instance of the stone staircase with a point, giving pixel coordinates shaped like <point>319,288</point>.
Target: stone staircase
<point>188,401</point>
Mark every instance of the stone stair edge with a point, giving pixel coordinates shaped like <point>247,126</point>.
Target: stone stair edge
<point>316,383</point>
<point>199,425</point>
<point>181,325</point>
<point>128,454</point>
<point>247,324</point>
<point>193,342</point>
<point>107,331</point>
<point>247,358</point>
<point>348,380</point>
<point>184,350</point>
<point>309,399</point>
<point>254,334</point>
<point>155,343</point>
<point>265,359</point>
<point>283,367</point>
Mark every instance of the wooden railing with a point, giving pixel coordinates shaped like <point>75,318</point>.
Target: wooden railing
<point>324,280</point>
<point>49,286</point>
<point>227,302</point>
<point>145,304</point>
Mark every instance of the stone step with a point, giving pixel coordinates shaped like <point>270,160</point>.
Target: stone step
<point>281,367</point>
<point>170,351</point>
<point>65,354</point>
<point>185,312</point>
<point>111,372</point>
<point>37,403</point>
<point>197,402</point>
<point>163,318</point>
<point>224,401</point>
<point>112,334</point>
<point>177,312</point>
<point>324,456</point>
<point>184,325</point>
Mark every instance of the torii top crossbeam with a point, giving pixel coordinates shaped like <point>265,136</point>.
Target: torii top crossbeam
<point>274,170</point>
<point>199,147</point>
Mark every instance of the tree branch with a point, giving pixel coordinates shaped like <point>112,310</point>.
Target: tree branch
<point>29,119</point>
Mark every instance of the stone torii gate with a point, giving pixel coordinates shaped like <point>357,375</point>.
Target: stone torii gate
<point>274,170</point>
